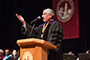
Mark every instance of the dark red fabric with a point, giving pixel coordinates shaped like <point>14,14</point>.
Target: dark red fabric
<point>71,27</point>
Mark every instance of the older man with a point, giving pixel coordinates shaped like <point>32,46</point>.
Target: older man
<point>1,54</point>
<point>50,31</point>
<point>7,54</point>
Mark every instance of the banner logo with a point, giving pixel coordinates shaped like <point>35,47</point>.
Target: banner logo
<point>27,56</point>
<point>64,10</point>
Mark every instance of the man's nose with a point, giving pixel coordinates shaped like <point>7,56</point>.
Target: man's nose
<point>42,15</point>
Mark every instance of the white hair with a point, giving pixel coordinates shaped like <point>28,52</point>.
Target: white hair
<point>50,11</point>
<point>1,51</point>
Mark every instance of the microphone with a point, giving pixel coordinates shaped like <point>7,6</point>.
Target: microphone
<point>38,18</point>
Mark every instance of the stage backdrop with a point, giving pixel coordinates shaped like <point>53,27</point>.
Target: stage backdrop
<point>66,12</point>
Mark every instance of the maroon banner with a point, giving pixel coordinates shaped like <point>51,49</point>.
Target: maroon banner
<point>66,12</point>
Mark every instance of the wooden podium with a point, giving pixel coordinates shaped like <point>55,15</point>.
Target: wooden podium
<point>34,49</point>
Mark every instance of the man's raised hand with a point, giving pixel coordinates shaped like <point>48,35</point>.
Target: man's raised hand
<point>20,18</point>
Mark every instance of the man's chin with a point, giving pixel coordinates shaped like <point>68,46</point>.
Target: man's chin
<point>44,20</point>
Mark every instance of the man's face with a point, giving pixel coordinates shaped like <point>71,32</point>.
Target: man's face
<point>6,52</point>
<point>1,53</point>
<point>46,17</point>
<point>14,52</point>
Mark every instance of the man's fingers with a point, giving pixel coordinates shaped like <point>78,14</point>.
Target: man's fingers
<point>16,14</point>
<point>20,18</point>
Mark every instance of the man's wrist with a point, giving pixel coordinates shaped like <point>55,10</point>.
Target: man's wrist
<point>24,25</point>
<point>23,22</point>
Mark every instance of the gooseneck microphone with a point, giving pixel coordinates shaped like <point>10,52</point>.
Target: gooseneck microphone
<point>34,21</point>
<point>38,18</point>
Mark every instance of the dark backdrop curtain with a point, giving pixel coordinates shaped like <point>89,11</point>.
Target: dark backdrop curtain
<point>10,25</point>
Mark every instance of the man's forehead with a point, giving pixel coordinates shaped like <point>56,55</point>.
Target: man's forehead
<point>45,11</point>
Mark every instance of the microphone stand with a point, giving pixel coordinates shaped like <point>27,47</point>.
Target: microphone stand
<point>32,28</point>
<point>33,22</point>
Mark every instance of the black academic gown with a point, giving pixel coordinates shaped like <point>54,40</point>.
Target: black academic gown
<point>53,34</point>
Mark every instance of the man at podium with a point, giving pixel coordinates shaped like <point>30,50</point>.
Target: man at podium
<point>50,31</point>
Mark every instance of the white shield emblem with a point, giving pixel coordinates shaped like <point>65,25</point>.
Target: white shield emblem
<point>65,10</point>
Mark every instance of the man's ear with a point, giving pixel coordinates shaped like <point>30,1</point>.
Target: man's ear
<point>50,16</point>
